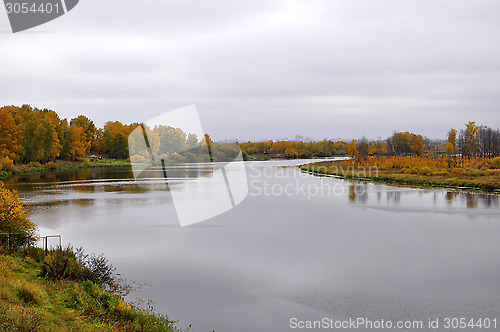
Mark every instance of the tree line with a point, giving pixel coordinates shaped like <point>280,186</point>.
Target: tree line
<point>472,141</point>
<point>30,134</point>
<point>173,145</point>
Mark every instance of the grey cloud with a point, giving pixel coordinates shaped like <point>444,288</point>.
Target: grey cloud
<point>266,69</point>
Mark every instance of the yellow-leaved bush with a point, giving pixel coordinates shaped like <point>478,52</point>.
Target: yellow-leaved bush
<point>13,216</point>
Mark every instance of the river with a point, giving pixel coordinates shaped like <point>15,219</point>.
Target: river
<point>299,248</point>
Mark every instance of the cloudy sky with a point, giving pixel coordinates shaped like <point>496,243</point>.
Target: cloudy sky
<point>265,69</point>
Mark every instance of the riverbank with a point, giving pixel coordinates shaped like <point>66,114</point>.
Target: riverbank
<point>61,165</point>
<point>30,302</point>
<point>430,173</point>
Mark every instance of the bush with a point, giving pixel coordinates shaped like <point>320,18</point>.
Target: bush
<point>291,153</point>
<point>492,171</point>
<point>51,165</point>
<point>7,164</point>
<point>477,173</point>
<point>414,170</point>
<point>34,164</point>
<point>73,264</point>
<point>495,163</point>
<point>425,171</point>
<point>441,172</point>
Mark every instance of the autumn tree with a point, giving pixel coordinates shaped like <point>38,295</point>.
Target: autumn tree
<point>449,150</point>
<point>115,139</point>
<point>28,119</point>
<point>46,143</point>
<point>10,136</point>
<point>208,144</point>
<point>469,140</point>
<point>88,128</point>
<point>363,147</point>
<point>417,144</point>
<point>79,145</point>
<point>280,147</point>
<point>377,149</point>
<point>352,151</point>
<point>192,141</point>
<point>452,137</point>
<point>291,153</point>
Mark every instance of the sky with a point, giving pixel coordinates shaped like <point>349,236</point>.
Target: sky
<point>265,69</point>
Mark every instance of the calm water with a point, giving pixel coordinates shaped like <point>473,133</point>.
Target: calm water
<point>298,246</point>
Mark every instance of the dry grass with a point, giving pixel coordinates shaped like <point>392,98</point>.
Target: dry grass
<point>479,173</point>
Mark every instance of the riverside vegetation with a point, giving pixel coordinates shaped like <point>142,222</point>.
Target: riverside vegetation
<point>471,160</point>
<point>61,289</point>
<point>475,173</point>
<point>33,139</point>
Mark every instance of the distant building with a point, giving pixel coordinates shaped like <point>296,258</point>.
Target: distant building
<point>229,141</point>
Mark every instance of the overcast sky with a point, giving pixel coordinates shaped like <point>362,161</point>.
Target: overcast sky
<point>265,69</point>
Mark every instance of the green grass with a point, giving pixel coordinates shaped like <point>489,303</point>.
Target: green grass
<point>5,174</point>
<point>258,157</point>
<point>29,302</point>
<point>62,165</point>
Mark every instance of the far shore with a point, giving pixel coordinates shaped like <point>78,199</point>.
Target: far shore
<point>485,182</point>
<point>62,165</point>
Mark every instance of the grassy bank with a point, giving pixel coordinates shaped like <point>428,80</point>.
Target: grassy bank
<point>32,302</point>
<point>257,157</point>
<point>11,170</point>
<point>62,289</point>
<point>478,174</point>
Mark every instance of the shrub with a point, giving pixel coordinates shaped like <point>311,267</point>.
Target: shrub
<point>495,163</point>
<point>62,264</point>
<point>492,171</point>
<point>477,172</point>
<point>137,158</point>
<point>34,164</point>
<point>413,170</point>
<point>425,171</point>
<point>7,164</point>
<point>291,153</point>
<point>441,172</point>
<point>73,264</point>
<point>51,165</point>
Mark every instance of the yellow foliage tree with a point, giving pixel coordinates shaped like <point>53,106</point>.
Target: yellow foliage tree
<point>291,153</point>
<point>10,136</point>
<point>352,151</point>
<point>79,145</point>
<point>13,216</point>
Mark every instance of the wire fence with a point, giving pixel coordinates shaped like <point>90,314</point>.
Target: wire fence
<point>20,240</point>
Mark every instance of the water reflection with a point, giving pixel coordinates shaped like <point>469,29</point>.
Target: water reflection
<point>360,193</point>
<point>373,251</point>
